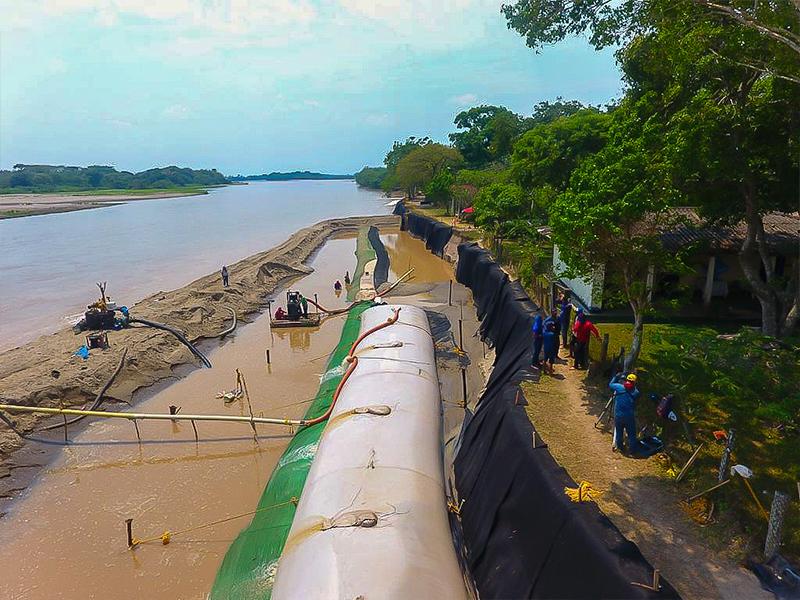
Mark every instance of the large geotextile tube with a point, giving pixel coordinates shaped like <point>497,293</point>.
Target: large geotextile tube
<point>177,334</point>
<point>364,254</point>
<point>248,569</point>
<point>434,233</point>
<point>381,274</point>
<point>372,520</point>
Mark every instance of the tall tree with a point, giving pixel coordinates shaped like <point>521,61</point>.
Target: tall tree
<point>613,214</point>
<point>726,95</point>
<point>488,133</point>
<point>547,154</point>
<point>417,168</point>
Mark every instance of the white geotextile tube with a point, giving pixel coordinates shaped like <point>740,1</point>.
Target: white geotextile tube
<point>372,519</point>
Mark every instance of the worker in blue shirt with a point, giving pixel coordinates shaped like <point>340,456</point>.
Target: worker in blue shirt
<point>625,396</point>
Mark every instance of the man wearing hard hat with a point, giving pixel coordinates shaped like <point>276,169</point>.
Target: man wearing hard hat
<point>625,395</point>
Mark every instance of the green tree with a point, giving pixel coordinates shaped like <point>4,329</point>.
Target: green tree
<point>724,94</point>
<point>612,215</point>
<point>371,177</point>
<point>398,151</point>
<point>489,132</point>
<point>438,188</point>
<point>547,154</point>
<point>417,168</point>
<point>499,207</point>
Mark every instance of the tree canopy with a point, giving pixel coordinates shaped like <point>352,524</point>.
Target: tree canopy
<point>54,178</point>
<point>417,168</point>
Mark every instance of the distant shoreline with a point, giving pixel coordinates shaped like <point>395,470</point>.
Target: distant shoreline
<point>292,176</point>
<point>14,206</point>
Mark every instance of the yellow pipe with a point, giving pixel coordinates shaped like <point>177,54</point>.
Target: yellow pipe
<point>145,416</point>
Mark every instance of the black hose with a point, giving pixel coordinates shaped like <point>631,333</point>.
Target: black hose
<point>98,400</point>
<point>177,334</point>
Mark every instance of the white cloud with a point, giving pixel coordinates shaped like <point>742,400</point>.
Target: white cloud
<point>175,112</point>
<point>312,103</point>
<point>230,16</point>
<point>464,99</point>
<point>427,23</point>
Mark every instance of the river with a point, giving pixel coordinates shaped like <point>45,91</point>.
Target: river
<point>49,264</point>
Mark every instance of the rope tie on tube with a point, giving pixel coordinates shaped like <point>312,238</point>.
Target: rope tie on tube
<point>167,536</point>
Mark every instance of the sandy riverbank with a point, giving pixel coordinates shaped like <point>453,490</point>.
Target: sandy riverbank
<point>26,205</point>
<point>46,373</point>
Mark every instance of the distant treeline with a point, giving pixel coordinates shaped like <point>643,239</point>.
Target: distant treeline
<point>275,176</point>
<point>50,178</point>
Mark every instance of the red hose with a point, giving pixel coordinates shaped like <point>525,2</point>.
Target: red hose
<point>353,360</point>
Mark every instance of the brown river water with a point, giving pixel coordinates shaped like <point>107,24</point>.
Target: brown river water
<point>65,537</point>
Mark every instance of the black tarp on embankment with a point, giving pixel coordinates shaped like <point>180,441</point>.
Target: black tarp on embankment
<point>434,233</point>
<point>524,537</point>
<point>381,274</point>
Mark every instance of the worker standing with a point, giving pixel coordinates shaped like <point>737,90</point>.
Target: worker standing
<point>625,395</point>
<point>550,342</point>
<point>564,317</point>
<point>304,304</point>
<point>224,276</point>
<point>538,339</point>
<point>347,277</point>
<point>583,330</point>
<point>337,286</point>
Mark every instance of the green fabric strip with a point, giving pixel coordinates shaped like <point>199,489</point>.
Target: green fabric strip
<point>248,569</point>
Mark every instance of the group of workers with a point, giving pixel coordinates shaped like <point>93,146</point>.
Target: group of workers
<point>549,331</point>
<point>553,330</point>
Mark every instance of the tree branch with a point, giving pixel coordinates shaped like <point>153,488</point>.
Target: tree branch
<point>782,36</point>
<point>764,69</point>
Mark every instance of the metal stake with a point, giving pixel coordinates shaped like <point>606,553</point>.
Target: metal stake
<point>129,530</point>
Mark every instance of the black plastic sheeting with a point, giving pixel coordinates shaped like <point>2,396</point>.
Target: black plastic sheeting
<point>524,537</point>
<point>399,209</point>
<point>381,274</point>
<point>434,233</point>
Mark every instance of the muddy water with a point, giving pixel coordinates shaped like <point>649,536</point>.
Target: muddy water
<point>65,538</point>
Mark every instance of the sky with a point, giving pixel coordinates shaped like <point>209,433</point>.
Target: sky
<point>253,86</point>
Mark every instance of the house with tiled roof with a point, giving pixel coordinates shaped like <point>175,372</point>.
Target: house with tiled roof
<point>715,281</point>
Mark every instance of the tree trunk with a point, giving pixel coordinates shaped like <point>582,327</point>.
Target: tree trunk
<point>752,257</point>
<point>636,343</point>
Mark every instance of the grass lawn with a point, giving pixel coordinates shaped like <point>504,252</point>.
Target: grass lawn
<point>748,384</point>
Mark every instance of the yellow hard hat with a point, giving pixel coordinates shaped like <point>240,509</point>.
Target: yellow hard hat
<point>631,377</point>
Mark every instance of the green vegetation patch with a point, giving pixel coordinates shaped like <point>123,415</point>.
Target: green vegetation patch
<point>727,380</point>
<point>249,567</point>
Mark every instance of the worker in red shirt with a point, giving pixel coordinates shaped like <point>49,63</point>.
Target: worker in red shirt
<point>583,330</point>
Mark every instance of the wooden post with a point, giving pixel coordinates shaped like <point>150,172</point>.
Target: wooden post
<point>461,334</point>
<point>196,437</point>
<point>129,531</point>
<point>450,294</point>
<point>138,435</point>
<point>723,474</point>
<point>776,515</point>
<point>689,463</point>
<point>269,361</point>
<point>464,385</point>
<point>604,349</point>
<point>66,437</point>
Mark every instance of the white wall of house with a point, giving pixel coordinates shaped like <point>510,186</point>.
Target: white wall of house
<point>588,289</point>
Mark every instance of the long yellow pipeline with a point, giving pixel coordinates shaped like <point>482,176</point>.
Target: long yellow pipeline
<point>148,416</point>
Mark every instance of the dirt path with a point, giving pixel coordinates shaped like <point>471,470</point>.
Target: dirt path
<point>641,504</point>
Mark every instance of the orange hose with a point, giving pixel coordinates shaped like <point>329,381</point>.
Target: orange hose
<point>353,360</point>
